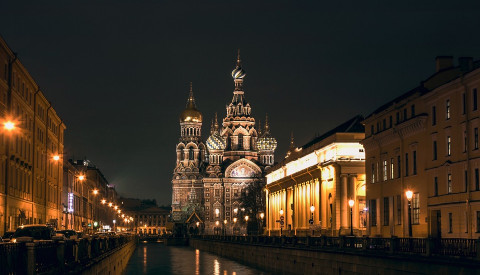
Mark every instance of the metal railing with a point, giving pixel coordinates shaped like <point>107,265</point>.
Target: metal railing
<point>459,248</point>
<point>57,256</point>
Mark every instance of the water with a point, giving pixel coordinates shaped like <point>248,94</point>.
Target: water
<point>156,258</point>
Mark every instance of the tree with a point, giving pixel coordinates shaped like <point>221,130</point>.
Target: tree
<point>253,201</point>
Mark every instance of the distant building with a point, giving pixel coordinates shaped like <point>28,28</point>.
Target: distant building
<point>426,141</point>
<point>149,219</point>
<point>308,192</point>
<point>30,151</point>
<point>210,176</point>
<point>86,198</point>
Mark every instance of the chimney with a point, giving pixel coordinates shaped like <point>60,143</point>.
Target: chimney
<point>465,63</point>
<point>443,62</point>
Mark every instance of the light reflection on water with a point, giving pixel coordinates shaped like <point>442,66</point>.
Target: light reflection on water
<point>155,258</point>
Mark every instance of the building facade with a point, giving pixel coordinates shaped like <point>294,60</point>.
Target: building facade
<point>30,151</point>
<point>210,176</point>
<point>426,142</point>
<point>308,193</point>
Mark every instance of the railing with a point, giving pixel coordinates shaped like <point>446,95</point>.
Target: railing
<point>56,256</point>
<point>459,248</point>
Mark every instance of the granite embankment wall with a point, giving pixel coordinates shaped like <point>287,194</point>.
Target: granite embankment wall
<point>287,260</point>
<point>112,263</point>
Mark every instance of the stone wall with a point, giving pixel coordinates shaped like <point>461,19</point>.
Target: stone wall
<point>114,263</point>
<point>286,260</point>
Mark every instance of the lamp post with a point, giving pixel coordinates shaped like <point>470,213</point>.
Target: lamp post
<point>216,227</point>
<point>224,227</point>
<point>262,215</point>
<point>409,195</point>
<point>234,225</point>
<point>351,203</point>
<point>8,127</point>
<point>281,222</point>
<point>311,221</point>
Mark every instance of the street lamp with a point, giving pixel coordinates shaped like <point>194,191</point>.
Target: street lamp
<point>104,201</point>
<point>95,192</point>
<point>56,158</point>
<point>351,203</point>
<point>409,195</point>
<point>312,209</point>
<point>225,227</point>
<point>9,125</point>
<point>81,177</point>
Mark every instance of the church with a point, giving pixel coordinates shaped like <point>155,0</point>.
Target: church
<point>209,176</point>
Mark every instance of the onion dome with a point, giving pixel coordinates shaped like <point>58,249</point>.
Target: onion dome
<point>191,114</point>
<point>266,142</point>
<point>238,72</point>
<point>215,141</point>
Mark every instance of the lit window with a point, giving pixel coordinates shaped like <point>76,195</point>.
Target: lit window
<point>447,105</point>
<point>449,183</point>
<point>449,146</point>
<point>416,208</point>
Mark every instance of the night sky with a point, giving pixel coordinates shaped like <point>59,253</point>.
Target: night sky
<point>118,72</point>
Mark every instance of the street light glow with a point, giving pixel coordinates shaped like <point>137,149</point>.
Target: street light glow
<point>9,125</point>
<point>81,177</point>
<point>281,212</point>
<point>246,218</point>
<point>104,201</point>
<point>110,204</point>
<point>56,158</point>
<point>262,215</point>
<point>409,194</point>
<point>312,208</point>
<point>95,191</point>
<point>234,220</point>
<point>225,221</point>
<point>351,203</point>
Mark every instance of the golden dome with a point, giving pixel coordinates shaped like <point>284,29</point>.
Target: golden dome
<point>191,114</point>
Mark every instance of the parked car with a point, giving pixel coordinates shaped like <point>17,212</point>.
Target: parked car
<point>69,234</point>
<point>7,236</point>
<point>31,232</point>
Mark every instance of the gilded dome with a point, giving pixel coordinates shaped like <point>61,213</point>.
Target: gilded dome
<point>191,114</point>
<point>238,73</point>
<point>266,142</point>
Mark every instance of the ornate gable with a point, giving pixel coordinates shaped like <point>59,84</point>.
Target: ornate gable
<point>243,168</point>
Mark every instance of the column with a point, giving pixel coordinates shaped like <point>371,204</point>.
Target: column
<point>344,212</point>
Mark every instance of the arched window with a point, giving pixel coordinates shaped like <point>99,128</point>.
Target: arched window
<point>240,142</point>
<point>182,154</point>
<point>190,153</point>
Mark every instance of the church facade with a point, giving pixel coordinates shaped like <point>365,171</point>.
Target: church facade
<point>209,177</point>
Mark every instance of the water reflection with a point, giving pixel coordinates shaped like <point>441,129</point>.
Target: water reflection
<point>162,259</point>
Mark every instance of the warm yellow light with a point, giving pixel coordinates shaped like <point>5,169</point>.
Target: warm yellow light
<point>312,208</point>
<point>234,220</point>
<point>262,215</point>
<point>9,125</point>
<point>235,210</point>
<point>123,215</point>
<point>119,211</point>
<point>409,194</point>
<point>225,221</point>
<point>115,207</point>
<point>246,218</point>
<point>110,204</point>
<point>217,211</point>
<point>104,201</point>
<point>95,191</point>
<point>81,177</point>
<point>351,203</point>
<point>281,211</point>
<point>131,218</point>
<point>56,158</point>
<point>216,223</point>
<point>198,223</point>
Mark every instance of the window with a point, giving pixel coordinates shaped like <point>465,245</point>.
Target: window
<point>434,116</point>
<point>449,222</point>
<point>385,176</point>
<point>391,122</point>
<point>398,117</point>
<point>399,209</point>
<point>404,114</point>
<point>435,186</point>
<point>414,162</point>
<point>449,146</point>
<point>413,110</point>
<point>384,124</point>
<point>434,150</point>
<point>386,211</point>
<point>465,179</point>
<point>391,169</point>
<point>478,221</point>
<point>447,109</point>
<point>477,179</point>
<point>416,208</point>
<point>190,153</point>
<point>475,99</point>
<point>406,165</point>
<point>449,183</point>
<point>399,170</point>
<point>373,212</point>
<point>475,138</point>
<point>373,172</point>
<point>463,103</point>
<point>240,142</point>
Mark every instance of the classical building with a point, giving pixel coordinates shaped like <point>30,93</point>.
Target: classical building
<point>426,141</point>
<point>31,148</point>
<point>149,219</point>
<point>308,193</point>
<point>210,176</point>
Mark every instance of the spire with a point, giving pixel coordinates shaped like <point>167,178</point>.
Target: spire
<point>212,128</point>
<point>259,128</point>
<point>191,99</point>
<point>266,124</point>
<point>239,61</point>
<point>292,142</point>
<point>215,125</point>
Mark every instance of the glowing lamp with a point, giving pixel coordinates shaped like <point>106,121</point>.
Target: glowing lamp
<point>246,218</point>
<point>56,158</point>
<point>281,212</point>
<point>262,215</point>
<point>351,203</point>
<point>9,125</point>
<point>409,195</point>
<point>312,208</point>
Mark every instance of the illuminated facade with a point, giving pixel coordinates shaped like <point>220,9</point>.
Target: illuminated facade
<point>209,177</point>
<point>426,141</point>
<point>30,177</point>
<point>309,191</point>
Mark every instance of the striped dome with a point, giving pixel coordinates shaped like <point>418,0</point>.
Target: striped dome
<point>238,73</point>
<point>216,142</point>
<point>266,143</point>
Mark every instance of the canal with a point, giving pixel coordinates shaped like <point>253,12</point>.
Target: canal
<point>157,258</point>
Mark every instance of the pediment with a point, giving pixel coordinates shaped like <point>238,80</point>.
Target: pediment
<point>243,168</point>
